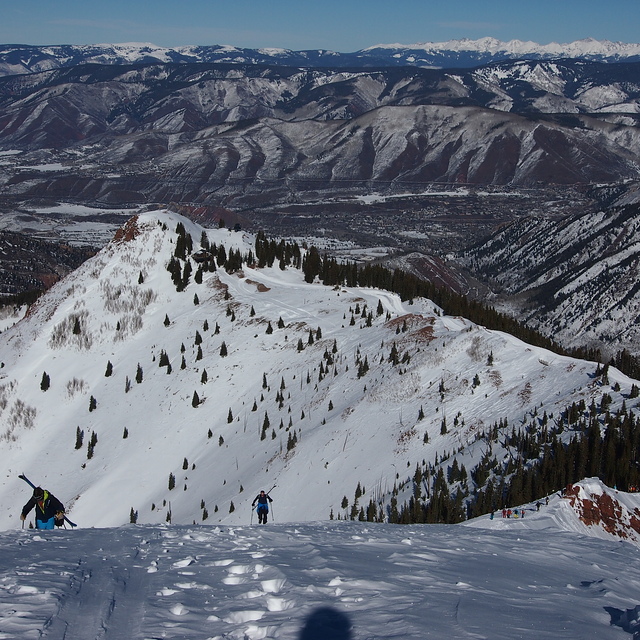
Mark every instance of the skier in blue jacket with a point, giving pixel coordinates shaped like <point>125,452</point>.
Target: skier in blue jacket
<point>49,510</point>
<point>263,500</point>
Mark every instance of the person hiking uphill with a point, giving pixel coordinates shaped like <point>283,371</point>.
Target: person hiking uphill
<point>49,510</point>
<point>263,500</point>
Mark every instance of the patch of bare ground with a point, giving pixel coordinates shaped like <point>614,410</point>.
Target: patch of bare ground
<point>602,510</point>
<point>262,288</point>
<point>128,231</point>
<point>414,327</point>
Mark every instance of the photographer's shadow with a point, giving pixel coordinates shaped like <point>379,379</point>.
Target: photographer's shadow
<point>326,623</point>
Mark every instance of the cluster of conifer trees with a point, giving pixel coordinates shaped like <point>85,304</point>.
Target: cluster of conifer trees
<point>546,456</point>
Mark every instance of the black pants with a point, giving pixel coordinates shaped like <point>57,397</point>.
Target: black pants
<point>262,516</point>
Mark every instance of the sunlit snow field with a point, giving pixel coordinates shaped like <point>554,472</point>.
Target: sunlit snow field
<point>501,579</point>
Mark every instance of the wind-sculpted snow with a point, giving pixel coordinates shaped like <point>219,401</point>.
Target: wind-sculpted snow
<point>528,578</point>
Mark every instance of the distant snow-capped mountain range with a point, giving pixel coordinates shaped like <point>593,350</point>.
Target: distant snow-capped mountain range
<point>19,59</point>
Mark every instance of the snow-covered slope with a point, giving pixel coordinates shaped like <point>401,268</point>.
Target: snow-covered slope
<point>226,135</point>
<point>535,578</point>
<point>292,404</point>
<point>573,278</point>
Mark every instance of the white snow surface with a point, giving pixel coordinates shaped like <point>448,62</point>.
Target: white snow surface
<point>539,577</point>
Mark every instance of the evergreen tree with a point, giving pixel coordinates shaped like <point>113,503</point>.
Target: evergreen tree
<point>265,426</point>
<point>109,369</point>
<point>394,358</point>
<point>139,374</point>
<point>311,264</point>
<point>186,275</point>
<point>195,400</point>
<point>79,438</point>
<point>45,383</point>
<point>93,441</point>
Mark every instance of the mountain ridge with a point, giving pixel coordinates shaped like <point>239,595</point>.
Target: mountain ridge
<point>336,389</point>
<point>18,59</point>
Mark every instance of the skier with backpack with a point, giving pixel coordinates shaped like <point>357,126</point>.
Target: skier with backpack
<point>263,500</point>
<point>49,510</point>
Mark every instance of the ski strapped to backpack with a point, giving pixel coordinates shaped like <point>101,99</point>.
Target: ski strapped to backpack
<point>266,493</point>
<point>33,486</point>
<point>253,506</point>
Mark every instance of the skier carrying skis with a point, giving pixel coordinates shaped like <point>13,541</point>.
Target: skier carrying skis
<point>49,510</point>
<point>263,500</point>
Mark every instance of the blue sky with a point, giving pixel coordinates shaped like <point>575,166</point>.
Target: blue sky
<point>341,25</point>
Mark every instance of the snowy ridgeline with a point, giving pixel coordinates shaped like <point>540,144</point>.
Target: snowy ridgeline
<point>530,578</point>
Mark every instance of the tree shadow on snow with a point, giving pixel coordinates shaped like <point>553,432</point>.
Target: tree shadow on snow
<point>628,620</point>
<point>326,624</point>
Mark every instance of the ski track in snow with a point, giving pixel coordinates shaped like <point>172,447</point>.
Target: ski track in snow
<point>287,581</point>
